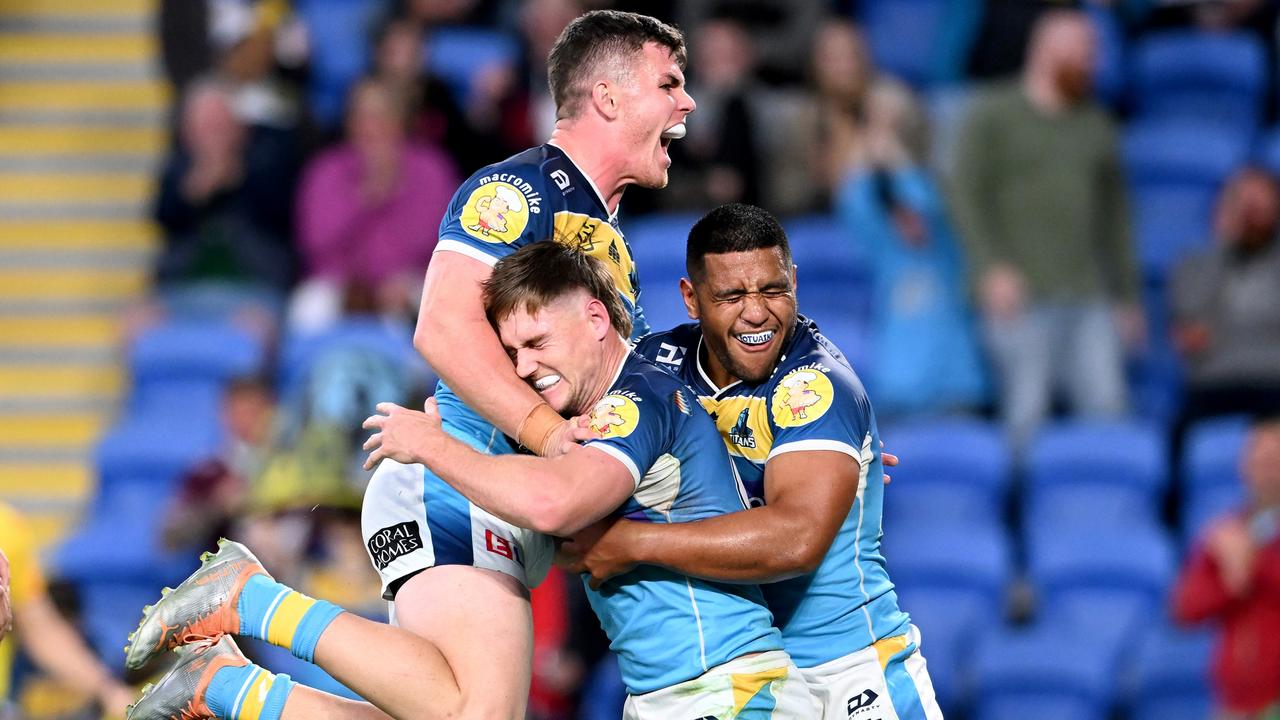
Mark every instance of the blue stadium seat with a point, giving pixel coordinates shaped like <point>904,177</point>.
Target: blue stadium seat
<point>1175,169</point>
<point>458,54</point>
<point>1215,76</point>
<point>156,448</point>
<point>1095,472</point>
<point>951,470</point>
<point>849,334</point>
<point>1042,672</point>
<point>194,350</point>
<point>950,622</point>
<point>1171,674</point>
<point>280,660</point>
<point>339,33</point>
<point>1268,151</point>
<point>905,36</point>
<point>823,251</point>
<point>119,541</point>
<point>301,351</point>
<point>1201,505</point>
<point>1101,584</point>
<point>1211,455</point>
<point>1109,78</point>
<point>657,245</point>
<point>110,609</point>
<point>957,556</point>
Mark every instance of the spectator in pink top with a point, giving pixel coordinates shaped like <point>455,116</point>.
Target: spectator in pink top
<point>368,213</point>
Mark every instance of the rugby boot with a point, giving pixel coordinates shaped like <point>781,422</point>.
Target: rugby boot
<point>180,694</point>
<point>203,607</point>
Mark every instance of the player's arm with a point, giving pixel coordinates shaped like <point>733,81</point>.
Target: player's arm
<point>808,495</point>
<point>557,496</point>
<point>458,342</point>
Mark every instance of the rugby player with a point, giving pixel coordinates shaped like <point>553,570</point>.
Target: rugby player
<point>803,437</point>
<point>687,648</point>
<point>618,84</point>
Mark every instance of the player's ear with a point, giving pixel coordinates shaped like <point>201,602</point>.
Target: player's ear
<point>598,314</point>
<point>605,99</point>
<point>690,298</point>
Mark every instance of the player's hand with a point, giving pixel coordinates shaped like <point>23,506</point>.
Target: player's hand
<point>400,432</point>
<point>6,609</point>
<point>1229,543</point>
<point>574,431</point>
<point>888,460</point>
<point>115,698</point>
<point>599,550</point>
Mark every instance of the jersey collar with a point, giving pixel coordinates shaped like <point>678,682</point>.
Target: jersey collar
<point>702,373</point>
<point>613,216</point>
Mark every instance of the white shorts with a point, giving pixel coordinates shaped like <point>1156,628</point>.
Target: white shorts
<point>887,681</point>
<point>411,520</point>
<point>765,686</point>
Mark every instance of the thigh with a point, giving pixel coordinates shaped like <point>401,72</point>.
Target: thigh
<point>766,687</point>
<point>481,622</point>
<point>1094,361</point>
<point>890,684</point>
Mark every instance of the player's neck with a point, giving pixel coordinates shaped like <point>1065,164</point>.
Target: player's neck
<point>614,354</point>
<point>717,373</point>
<point>596,157</point>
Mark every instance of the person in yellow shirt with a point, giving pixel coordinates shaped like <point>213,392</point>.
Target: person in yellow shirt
<point>49,640</point>
<point>6,614</point>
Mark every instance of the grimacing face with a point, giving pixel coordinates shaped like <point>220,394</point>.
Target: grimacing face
<point>746,304</point>
<point>557,349</point>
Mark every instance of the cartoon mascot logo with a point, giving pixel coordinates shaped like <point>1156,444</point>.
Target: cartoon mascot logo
<point>496,212</point>
<point>615,416</point>
<point>801,397</point>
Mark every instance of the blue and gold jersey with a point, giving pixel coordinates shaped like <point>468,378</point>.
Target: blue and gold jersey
<point>667,628</point>
<point>538,194</point>
<point>812,401</point>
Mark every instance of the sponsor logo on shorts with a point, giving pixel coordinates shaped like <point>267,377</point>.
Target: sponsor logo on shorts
<point>863,702</point>
<point>394,542</point>
<point>498,545</point>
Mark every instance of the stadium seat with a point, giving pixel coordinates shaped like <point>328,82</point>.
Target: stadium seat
<point>155,449</point>
<point>905,36</point>
<point>1201,505</point>
<point>1100,584</point>
<point>1109,78</point>
<point>823,251</point>
<point>955,556</point>
<point>1095,473</point>
<point>952,470</point>
<point>110,609</point>
<point>1175,170</point>
<point>300,352</point>
<point>119,540</point>
<point>281,660</point>
<point>194,350</point>
<point>1171,672</point>
<point>338,33</point>
<point>1268,151</point>
<point>459,54</point>
<point>1213,76</point>
<point>1041,672</point>
<point>950,621</point>
<point>1211,455</point>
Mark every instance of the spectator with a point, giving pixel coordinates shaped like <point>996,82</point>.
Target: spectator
<point>368,211</point>
<point>1041,204</point>
<point>225,195</point>
<point>1226,306</point>
<point>1233,576</point>
<point>43,634</point>
<point>719,161</point>
<point>6,608</point>
<point>921,327</point>
<point>213,491</point>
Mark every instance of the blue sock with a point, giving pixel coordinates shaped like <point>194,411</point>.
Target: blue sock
<point>247,693</point>
<point>284,617</point>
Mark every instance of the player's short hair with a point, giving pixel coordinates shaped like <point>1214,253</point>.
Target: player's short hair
<point>540,273</point>
<point>731,228</point>
<point>595,38</point>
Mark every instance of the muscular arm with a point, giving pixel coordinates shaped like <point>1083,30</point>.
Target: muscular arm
<point>807,494</point>
<point>456,340</point>
<point>57,649</point>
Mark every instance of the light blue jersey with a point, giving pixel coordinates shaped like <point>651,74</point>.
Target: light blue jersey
<point>667,628</point>
<point>536,195</point>
<point>812,401</point>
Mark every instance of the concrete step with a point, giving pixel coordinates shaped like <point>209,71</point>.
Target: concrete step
<point>79,284</point>
<point>133,97</point>
<point>87,188</point>
<point>58,480</point>
<point>93,234</point>
<point>41,48</point>
<point>59,333</point>
<point>59,383</point>
<point>77,8</point>
<point>79,140</point>
<point>62,430</point>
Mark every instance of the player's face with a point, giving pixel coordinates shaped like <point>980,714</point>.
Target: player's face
<point>747,307</point>
<point>654,104</point>
<point>556,351</point>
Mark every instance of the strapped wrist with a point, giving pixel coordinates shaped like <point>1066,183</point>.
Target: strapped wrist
<point>536,428</point>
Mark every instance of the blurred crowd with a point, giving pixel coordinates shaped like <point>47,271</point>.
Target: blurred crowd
<point>981,172</point>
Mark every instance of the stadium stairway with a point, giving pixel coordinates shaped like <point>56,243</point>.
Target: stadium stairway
<point>82,113</point>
